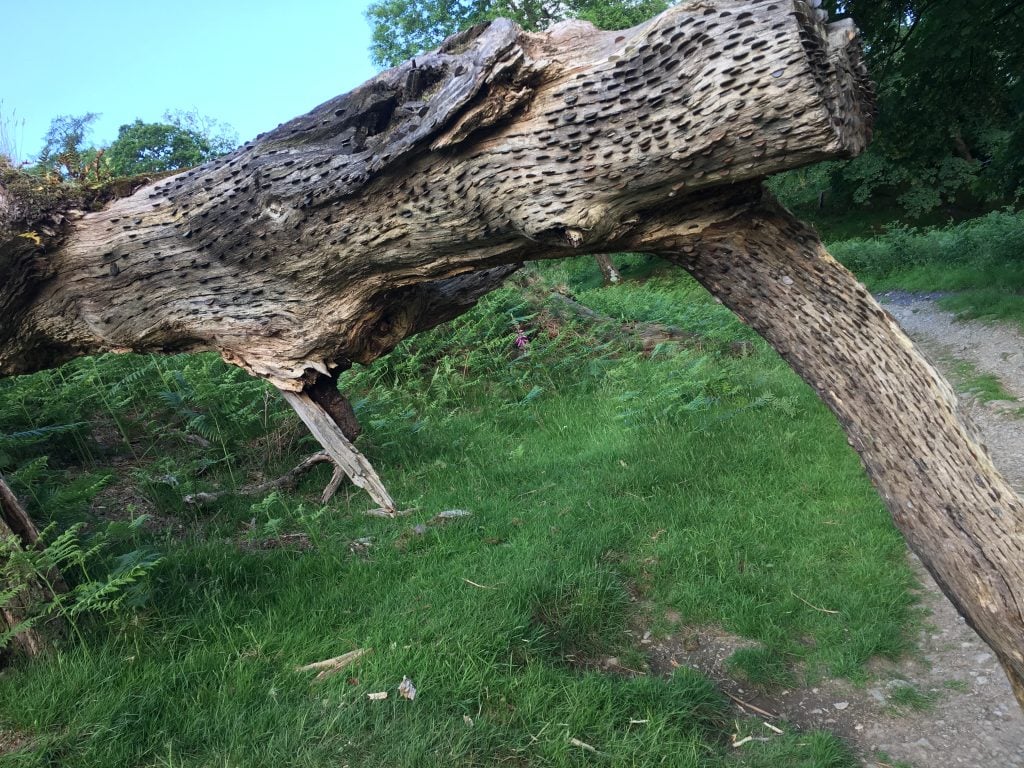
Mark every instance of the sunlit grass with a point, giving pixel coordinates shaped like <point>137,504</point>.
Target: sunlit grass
<point>605,487</point>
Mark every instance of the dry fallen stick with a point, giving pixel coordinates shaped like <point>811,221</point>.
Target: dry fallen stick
<point>387,514</point>
<point>337,479</point>
<point>329,667</point>
<point>287,481</point>
<point>751,707</point>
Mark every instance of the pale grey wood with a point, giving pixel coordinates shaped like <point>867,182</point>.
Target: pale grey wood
<point>345,455</point>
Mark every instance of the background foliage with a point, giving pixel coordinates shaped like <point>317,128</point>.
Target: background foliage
<point>404,28</point>
<point>949,138</point>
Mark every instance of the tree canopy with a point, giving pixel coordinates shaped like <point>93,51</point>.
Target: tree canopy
<point>183,140</point>
<point>404,28</point>
<point>950,127</point>
<point>65,151</point>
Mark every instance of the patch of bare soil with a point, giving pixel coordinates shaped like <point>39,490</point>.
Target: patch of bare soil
<point>967,715</point>
<point>11,741</point>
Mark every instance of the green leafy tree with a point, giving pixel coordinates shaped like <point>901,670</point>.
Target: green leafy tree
<point>950,126</point>
<point>183,140</point>
<point>65,152</point>
<point>404,28</point>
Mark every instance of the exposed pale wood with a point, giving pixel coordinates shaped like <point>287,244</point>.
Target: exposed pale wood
<point>345,455</point>
<point>337,478</point>
<point>333,666</point>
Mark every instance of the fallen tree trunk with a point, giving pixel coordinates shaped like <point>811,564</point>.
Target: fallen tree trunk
<point>395,207</point>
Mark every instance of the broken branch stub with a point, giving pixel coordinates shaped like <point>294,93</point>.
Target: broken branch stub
<point>345,455</point>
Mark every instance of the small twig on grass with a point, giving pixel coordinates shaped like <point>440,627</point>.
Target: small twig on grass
<point>745,739</point>
<point>583,745</point>
<point>751,707</point>
<point>329,667</point>
<point>772,728</point>
<point>811,605</point>
<point>480,586</point>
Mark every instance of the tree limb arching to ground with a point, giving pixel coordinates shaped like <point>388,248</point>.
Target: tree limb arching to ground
<point>395,207</point>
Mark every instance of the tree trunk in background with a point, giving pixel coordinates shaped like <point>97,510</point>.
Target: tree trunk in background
<point>18,530</point>
<point>395,207</point>
<point>609,273</point>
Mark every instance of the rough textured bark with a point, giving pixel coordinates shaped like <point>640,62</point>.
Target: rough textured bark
<point>395,207</point>
<point>379,213</point>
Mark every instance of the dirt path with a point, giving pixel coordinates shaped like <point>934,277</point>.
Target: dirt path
<point>965,714</point>
<point>982,724</point>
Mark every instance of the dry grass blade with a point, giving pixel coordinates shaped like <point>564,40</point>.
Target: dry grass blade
<point>329,667</point>
<point>478,586</point>
<point>811,605</point>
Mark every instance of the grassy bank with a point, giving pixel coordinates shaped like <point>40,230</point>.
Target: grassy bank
<point>612,491</point>
<point>980,263</point>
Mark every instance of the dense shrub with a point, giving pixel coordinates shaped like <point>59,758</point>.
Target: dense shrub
<point>992,241</point>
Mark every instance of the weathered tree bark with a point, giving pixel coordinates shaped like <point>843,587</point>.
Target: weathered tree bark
<point>395,207</point>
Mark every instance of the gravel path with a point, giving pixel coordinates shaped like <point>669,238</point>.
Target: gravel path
<point>976,721</point>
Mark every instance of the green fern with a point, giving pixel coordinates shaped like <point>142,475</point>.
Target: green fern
<point>125,585</point>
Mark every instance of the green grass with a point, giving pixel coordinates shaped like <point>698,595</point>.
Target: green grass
<point>908,698</point>
<point>795,750</point>
<point>884,761</point>
<point>605,487</point>
<point>983,386</point>
<point>987,304</point>
<point>761,667</point>
<point>980,263</point>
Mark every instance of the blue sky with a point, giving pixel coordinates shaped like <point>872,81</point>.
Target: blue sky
<point>251,64</point>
